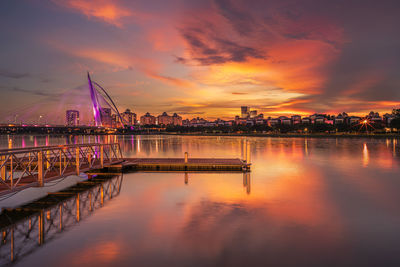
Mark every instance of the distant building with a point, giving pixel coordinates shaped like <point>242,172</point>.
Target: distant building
<point>148,119</point>
<point>340,119</point>
<point>105,115</point>
<point>285,120</point>
<point>176,119</point>
<point>245,112</point>
<point>319,119</point>
<point>164,119</point>
<point>129,118</point>
<point>354,119</point>
<point>296,119</point>
<point>306,120</point>
<point>72,118</point>
<point>253,113</point>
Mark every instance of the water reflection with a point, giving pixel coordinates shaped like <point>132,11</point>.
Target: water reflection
<point>26,228</point>
<point>365,155</point>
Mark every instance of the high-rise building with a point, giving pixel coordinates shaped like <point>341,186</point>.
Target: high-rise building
<point>164,119</point>
<point>245,112</point>
<point>147,119</point>
<point>176,119</point>
<point>253,113</point>
<point>128,117</point>
<point>106,119</point>
<point>72,118</point>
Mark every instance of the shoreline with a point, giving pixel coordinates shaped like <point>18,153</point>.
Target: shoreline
<point>315,135</point>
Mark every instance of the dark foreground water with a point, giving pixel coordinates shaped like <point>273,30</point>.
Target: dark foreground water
<point>307,202</point>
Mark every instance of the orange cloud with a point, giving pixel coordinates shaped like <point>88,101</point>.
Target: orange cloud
<point>108,11</point>
<point>169,80</point>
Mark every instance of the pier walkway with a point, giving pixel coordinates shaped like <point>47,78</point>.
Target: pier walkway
<point>21,168</point>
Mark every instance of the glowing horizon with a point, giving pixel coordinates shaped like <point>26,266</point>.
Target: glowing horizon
<point>199,58</point>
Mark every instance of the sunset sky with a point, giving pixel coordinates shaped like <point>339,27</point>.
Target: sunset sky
<point>199,58</point>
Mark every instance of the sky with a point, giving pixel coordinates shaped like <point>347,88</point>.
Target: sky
<point>201,58</point>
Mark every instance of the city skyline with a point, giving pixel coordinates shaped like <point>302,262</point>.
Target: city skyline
<point>199,58</point>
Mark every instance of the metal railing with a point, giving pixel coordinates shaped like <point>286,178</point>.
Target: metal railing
<point>25,167</point>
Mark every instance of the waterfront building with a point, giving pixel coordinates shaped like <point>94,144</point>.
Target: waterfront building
<point>176,119</point>
<point>340,119</point>
<point>272,121</point>
<point>245,112</point>
<point>354,119</point>
<point>72,118</point>
<point>129,117</point>
<point>253,113</point>
<point>319,119</point>
<point>148,119</point>
<point>306,120</point>
<point>285,120</point>
<point>106,118</point>
<point>296,119</point>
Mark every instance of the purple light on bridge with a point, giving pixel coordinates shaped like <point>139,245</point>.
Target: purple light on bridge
<point>95,103</point>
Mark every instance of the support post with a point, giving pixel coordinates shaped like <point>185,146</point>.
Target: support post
<point>11,171</point>
<point>61,212</point>
<point>77,161</point>
<point>102,156</point>
<point>186,178</point>
<point>47,159</point>
<point>186,157</point>
<point>29,162</point>
<point>78,209</point>
<point>4,168</point>
<point>40,169</point>
<point>60,161</point>
<point>248,152</point>
<point>89,158</point>
<point>41,227</point>
<point>10,143</point>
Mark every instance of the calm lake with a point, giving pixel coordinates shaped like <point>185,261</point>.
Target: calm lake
<point>306,202</point>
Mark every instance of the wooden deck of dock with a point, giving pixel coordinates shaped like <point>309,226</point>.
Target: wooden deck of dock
<point>179,164</point>
<point>28,167</point>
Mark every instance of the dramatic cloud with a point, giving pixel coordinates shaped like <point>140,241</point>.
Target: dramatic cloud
<point>13,75</point>
<point>206,58</point>
<point>207,48</point>
<point>106,10</point>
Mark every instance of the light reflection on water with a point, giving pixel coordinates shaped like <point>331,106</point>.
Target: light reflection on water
<point>306,202</point>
